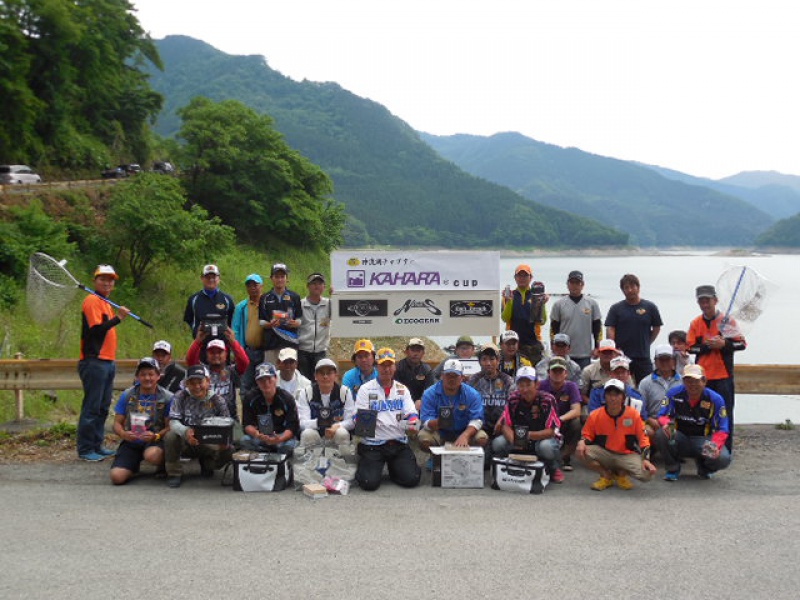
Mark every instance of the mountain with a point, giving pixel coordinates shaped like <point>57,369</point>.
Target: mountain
<point>777,196</point>
<point>783,234</point>
<point>395,188</point>
<point>654,210</point>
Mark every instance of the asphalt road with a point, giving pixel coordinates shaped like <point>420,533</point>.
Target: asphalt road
<point>67,533</point>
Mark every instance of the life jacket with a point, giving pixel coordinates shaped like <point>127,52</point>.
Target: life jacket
<point>157,412</point>
<point>525,314</point>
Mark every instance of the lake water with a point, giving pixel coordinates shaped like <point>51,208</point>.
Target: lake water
<point>669,279</point>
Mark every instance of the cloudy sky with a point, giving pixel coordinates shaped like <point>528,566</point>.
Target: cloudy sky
<point>706,87</point>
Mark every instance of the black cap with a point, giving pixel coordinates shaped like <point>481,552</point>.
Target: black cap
<point>197,372</point>
<point>705,291</point>
<point>577,275</point>
<point>314,276</point>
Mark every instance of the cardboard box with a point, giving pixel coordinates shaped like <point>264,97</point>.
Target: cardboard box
<point>462,468</point>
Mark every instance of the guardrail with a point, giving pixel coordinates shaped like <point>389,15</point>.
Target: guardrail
<point>20,375</point>
<point>32,188</point>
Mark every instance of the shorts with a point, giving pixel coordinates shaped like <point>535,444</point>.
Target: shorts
<point>130,456</point>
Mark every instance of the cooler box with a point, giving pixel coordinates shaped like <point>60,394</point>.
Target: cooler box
<point>461,468</point>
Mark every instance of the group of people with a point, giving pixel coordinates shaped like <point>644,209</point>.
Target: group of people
<point>595,395</point>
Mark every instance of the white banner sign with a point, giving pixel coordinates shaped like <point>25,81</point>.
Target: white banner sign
<point>403,271</point>
<point>415,313</point>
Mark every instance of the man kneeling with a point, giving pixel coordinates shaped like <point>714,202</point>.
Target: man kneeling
<point>614,443</point>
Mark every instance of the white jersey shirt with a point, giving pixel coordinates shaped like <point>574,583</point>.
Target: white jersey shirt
<point>393,409</point>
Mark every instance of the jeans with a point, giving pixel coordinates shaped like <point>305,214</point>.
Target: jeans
<point>547,450</point>
<point>307,361</point>
<point>641,368</point>
<point>583,361</point>
<point>725,388</point>
<point>685,446</point>
<point>250,443</point>
<point>97,377</point>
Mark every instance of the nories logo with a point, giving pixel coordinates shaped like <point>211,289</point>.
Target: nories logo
<point>353,262</point>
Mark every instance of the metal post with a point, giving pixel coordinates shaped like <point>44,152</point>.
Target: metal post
<point>19,396</point>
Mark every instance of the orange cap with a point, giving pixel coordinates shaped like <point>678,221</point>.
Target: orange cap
<point>525,268</point>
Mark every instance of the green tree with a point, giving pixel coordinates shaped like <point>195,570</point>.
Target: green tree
<point>147,223</point>
<point>241,170</point>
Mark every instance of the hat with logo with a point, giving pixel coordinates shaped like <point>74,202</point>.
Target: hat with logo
<point>287,354</point>
<point>148,362</point>
<point>557,362</point>
<point>415,342</point>
<point>561,338</point>
<point>705,291</point>
<point>693,372</point>
<point>508,336</point>
<point>385,355</point>
<point>216,344</point>
<point>453,365</point>
<point>315,277</point>
<point>197,372</point>
<point>614,384</point>
<point>527,373</point>
<point>523,268</point>
<point>575,276</point>
<point>608,346</point>
<point>620,362</point>
<point>266,370</point>
<point>210,270</point>
<point>664,350</point>
<point>105,270</point>
<point>163,345</point>
<point>279,267</point>
<point>490,349</point>
<point>325,362</point>
<point>464,340</point>
<point>363,346</point>
<point>255,277</point>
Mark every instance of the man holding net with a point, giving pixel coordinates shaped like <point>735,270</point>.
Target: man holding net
<point>713,338</point>
<point>96,367</point>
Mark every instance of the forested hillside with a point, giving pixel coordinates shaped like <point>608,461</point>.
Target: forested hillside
<point>395,189</point>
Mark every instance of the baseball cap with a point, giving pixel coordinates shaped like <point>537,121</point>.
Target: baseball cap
<point>705,291</point>
<point>197,372</point>
<point>210,270</point>
<point>620,361</point>
<point>314,276</point>
<point>490,349</point>
<point>524,269</point>
<point>576,275</point>
<point>453,365</point>
<point>363,346</point>
<point>415,342</point>
<point>148,362</point>
<point>527,373</point>
<point>105,270</point>
<point>664,350</point>
<point>287,354</point>
<point>464,339</point>
<point>557,362</point>
<point>561,338</point>
<point>615,384</point>
<point>608,346</point>
<point>325,362</point>
<point>163,345</point>
<point>694,372</point>
<point>385,355</point>
<point>253,277</point>
<point>279,267</point>
<point>509,335</point>
<point>266,370</point>
<point>216,344</point>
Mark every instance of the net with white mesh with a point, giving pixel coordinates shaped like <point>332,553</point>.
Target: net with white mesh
<point>50,287</point>
<point>743,295</point>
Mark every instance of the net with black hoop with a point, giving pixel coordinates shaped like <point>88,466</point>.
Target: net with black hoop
<point>743,295</point>
<point>50,287</point>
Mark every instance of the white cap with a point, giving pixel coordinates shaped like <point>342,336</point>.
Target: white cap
<point>693,372</point>
<point>325,362</point>
<point>508,335</point>
<point>211,270</point>
<point>105,270</point>
<point>664,350</point>
<point>615,384</point>
<point>287,354</point>
<point>527,373</point>
<point>216,344</point>
<point>608,345</point>
<point>620,361</point>
<point>162,345</point>
<point>453,365</point>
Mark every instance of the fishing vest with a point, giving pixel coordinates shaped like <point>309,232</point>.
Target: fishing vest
<point>157,412</point>
<point>693,421</point>
<point>524,316</point>
<point>336,403</point>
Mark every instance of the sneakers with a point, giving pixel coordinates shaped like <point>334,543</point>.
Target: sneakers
<point>702,473</point>
<point>91,457</point>
<point>106,452</point>
<point>557,476</point>
<point>602,484</point>
<point>174,482</point>
<point>566,463</point>
<point>623,482</point>
<point>671,475</point>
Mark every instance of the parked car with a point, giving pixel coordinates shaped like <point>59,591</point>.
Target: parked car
<point>13,174</point>
<point>163,167</point>
<point>121,171</point>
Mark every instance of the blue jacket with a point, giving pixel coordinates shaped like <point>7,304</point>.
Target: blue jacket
<point>239,324</point>
<point>468,407</point>
<point>598,398</point>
